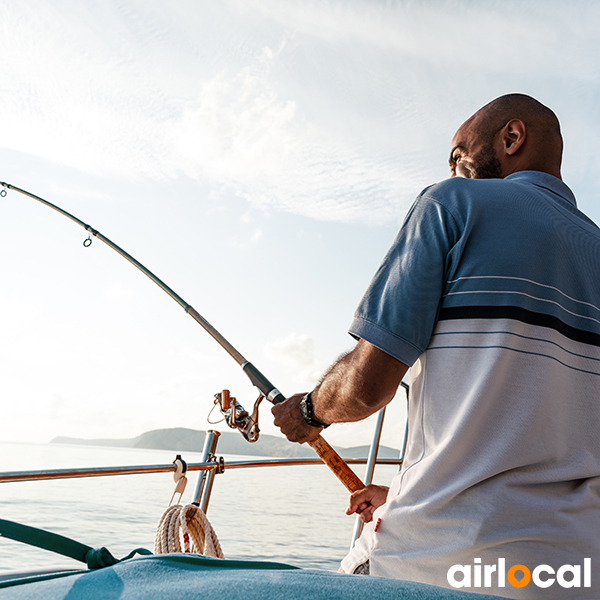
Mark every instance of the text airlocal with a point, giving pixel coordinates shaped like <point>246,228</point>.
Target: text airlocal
<point>542,576</point>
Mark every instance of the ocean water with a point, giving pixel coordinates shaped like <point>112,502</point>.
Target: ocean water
<point>292,514</point>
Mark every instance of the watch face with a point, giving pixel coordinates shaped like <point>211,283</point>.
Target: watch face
<point>304,409</point>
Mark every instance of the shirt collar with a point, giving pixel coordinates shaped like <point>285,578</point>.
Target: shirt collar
<point>546,181</point>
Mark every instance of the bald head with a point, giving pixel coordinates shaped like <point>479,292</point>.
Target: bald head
<point>512,133</point>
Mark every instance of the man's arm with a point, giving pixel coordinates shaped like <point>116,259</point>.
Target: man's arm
<point>357,385</point>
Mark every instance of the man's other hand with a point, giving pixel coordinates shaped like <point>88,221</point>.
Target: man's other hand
<point>289,419</point>
<point>364,502</point>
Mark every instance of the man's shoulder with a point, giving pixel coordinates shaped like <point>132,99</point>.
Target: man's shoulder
<point>458,194</point>
<point>461,185</point>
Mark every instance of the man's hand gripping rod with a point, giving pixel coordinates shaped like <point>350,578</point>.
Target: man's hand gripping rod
<point>329,456</point>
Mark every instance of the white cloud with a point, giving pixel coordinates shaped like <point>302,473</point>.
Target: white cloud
<point>296,352</point>
<point>470,33</point>
<point>334,110</point>
<point>118,106</point>
<point>244,133</point>
<point>237,130</point>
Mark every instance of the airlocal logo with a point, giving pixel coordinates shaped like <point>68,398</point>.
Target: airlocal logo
<point>543,576</point>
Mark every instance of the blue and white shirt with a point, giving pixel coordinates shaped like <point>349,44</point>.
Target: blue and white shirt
<point>491,293</point>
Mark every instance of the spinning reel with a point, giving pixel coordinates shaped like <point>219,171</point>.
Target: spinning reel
<point>237,417</point>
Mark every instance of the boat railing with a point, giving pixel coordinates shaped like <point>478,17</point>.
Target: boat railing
<point>14,476</point>
<point>210,465</point>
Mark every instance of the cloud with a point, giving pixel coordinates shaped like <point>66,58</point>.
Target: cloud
<point>296,352</point>
<point>238,129</point>
<point>120,107</point>
<point>443,32</point>
<point>337,111</point>
<point>245,134</point>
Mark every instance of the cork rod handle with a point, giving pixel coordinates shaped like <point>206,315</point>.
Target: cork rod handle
<point>336,463</point>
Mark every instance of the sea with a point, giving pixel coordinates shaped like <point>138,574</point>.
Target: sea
<point>292,514</point>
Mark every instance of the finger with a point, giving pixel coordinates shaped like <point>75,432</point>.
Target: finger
<point>366,516</point>
<point>360,497</point>
<point>357,508</point>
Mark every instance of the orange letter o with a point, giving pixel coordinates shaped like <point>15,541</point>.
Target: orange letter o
<point>514,581</point>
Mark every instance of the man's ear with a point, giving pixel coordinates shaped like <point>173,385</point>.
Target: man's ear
<point>513,136</point>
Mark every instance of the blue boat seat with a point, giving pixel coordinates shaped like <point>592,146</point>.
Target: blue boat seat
<point>189,576</point>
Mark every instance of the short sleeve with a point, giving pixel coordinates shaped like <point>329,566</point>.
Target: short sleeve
<point>401,305</point>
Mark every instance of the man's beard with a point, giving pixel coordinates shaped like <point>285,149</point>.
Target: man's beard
<point>488,166</point>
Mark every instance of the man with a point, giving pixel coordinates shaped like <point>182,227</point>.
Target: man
<point>491,295</point>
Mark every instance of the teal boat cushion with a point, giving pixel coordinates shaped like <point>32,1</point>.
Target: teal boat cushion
<point>187,576</point>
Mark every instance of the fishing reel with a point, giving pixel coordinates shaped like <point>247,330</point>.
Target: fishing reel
<point>237,417</point>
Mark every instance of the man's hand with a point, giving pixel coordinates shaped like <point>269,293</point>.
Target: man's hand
<point>364,502</point>
<point>289,419</point>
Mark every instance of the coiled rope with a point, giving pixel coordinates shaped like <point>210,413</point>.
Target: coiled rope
<point>187,523</point>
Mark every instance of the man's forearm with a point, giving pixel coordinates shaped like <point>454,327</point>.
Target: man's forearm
<point>357,385</point>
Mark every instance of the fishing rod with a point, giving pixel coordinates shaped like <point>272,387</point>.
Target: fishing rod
<point>329,456</point>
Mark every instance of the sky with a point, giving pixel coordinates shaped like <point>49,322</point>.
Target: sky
<point>259,157</point>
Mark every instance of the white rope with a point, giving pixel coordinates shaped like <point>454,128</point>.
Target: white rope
<point>190,524</point>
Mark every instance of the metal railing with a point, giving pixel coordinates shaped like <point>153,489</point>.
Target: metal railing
<point>15,476</point>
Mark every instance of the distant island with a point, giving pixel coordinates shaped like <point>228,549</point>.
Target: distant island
<point>192,440</point>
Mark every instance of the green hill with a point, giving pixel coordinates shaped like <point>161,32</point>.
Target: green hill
<point>192,440</point>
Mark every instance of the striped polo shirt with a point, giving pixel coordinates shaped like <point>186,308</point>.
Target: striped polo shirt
<point>491,293</point>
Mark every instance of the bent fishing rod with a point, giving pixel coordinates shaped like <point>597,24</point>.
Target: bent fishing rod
<point>329,456</point>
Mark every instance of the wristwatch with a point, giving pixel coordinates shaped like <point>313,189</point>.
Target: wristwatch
<point>307,412</point>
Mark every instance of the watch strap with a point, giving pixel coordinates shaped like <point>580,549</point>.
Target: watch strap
<point>307,412</point>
